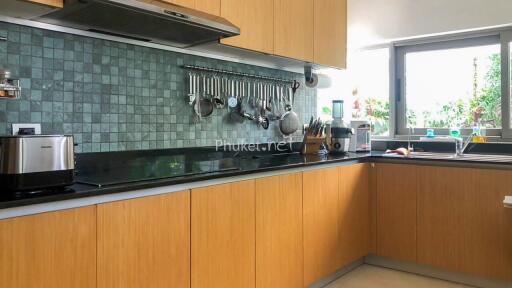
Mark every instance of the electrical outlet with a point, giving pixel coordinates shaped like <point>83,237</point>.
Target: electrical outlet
<point>16,127</point>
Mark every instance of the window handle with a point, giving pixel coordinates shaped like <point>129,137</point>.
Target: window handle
<point>398,89</point>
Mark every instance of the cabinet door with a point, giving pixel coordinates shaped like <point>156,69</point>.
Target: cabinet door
<point>396,211</point>
<point>208,6</point>
<point>255,18</point>
<point>52,3</point>
<point>185,3</point>
<point>330,44</point>
<point>49,250</point>
<point>507,251</point>
<point>373,207</point>
<point>461,220</point>
<point>145,242</point>
<point>294,29</point>
<point>354,213</point>
<point>279,248</point>
<point>320,210</point>
<point>223,236</point>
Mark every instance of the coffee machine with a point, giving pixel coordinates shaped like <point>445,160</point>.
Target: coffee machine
<point>340,133</point>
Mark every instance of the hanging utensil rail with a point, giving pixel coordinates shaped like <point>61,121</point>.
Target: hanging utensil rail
<point>213,70</point>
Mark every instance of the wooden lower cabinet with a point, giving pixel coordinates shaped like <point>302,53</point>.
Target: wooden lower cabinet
<point>282,231</point>
<point>49,250</point>
<point>372,174</point>
<point>223,236</point>
<point>396,211</point>
<point>336,219</point>
<point>507,253</point>
<point>320,212</point>
<point>462,224</point>
<point>353,213</point>
<point>279,249</point>
<point>145,242</point>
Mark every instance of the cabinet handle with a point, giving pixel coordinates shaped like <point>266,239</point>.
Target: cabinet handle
<point>508,202</point>
<point>3,38</point>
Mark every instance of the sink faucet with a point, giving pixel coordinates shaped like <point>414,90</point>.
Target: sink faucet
<point>461,145</point>
<point>409,146</point>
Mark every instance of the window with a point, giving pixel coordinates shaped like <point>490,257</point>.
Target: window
<point>450,84</point>
<point>364,88</point>
<point>370,92</point>
<point>336,90</point>
<point>507,66</point>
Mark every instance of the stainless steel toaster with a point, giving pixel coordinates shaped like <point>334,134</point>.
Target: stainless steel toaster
<point>36,162</point>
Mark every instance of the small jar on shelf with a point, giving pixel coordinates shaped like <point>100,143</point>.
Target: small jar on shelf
<point>9,88</point>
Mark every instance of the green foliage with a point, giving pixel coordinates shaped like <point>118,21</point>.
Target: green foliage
<point>453,114</point>
<point>489,98</point>
<point>326,110</point>
<point>377,111</point>
<point>461,113</point>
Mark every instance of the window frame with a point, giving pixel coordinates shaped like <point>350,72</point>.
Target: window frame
<point>398,51</point>
<point>506,42</point>
<point>441,44</point>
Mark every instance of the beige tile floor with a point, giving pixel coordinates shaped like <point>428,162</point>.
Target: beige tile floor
<point>367,276</point>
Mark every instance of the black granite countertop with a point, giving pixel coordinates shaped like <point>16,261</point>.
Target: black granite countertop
<point>93,168</point>
<point>135,170</point>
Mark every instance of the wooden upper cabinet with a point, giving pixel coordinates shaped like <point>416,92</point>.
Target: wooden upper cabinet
<point>185,3</point>
<point>396,211</point>
<point>208,6</point>
<point>294,29</point>
<point>330,40</point>
<point>279,246</point>
<point>49,250</point>
<point>462,224</point>
<point>321,214</point>
<point>354,213</point>
<point>223,236</point>
<point>255,18</point>
<point>52,3</point>
<point>145,242</point>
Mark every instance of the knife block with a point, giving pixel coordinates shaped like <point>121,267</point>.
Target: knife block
<point>312,144</point>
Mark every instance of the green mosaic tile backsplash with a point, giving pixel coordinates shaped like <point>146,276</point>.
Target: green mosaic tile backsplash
<point>114,96</point>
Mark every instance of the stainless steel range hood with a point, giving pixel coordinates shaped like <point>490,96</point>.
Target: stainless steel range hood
<point>156,22</point>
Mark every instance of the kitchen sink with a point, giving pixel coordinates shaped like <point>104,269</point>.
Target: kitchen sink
<point>452,156</point>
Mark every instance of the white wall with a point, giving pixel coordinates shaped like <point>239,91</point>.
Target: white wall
<point>376,21</point>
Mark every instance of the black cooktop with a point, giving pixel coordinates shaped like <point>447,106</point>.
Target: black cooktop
<point>121,170</point>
